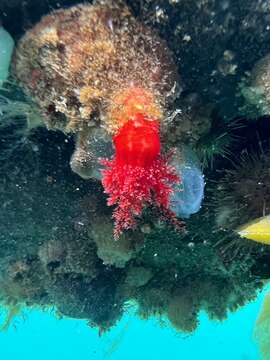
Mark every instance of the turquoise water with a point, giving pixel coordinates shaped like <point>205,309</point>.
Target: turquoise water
<point>40,335</point>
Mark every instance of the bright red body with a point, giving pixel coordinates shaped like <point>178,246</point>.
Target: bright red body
<point>138,142</point>
<point>138,175</point>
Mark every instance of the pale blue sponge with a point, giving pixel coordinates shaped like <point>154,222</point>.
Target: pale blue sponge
<point>187,197</point>
<point>6,49</point>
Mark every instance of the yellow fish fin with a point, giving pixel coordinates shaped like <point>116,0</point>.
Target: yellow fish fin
<point>257,230</point>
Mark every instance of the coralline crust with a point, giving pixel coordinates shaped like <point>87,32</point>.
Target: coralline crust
<point>84,60</point>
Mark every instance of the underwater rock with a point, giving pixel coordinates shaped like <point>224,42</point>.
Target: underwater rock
<point>257,91</point>
<point>219,285</point>
<point>110,251</point>
<point>138,276</point>
<point>83,299</point>
<point>149,268</point>
<point>52,254</point>
<point>23,282</point>
<point>152,301</point>
<point>194,29</point>
<point>188,195</point>
<point>81,257</point>
<point>197,28</point>
<point>182,311</point>
<point>72,80</point>
<point>189,122</point>
<point>65,257</point>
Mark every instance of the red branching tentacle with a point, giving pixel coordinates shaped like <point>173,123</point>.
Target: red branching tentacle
<point>131,188</point>
<point>138,176</point>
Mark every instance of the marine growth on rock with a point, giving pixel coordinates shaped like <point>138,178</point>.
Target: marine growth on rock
<point>98,59</point>
<point>93,112</point>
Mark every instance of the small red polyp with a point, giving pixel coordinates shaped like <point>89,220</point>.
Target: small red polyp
<point>138,176</point>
